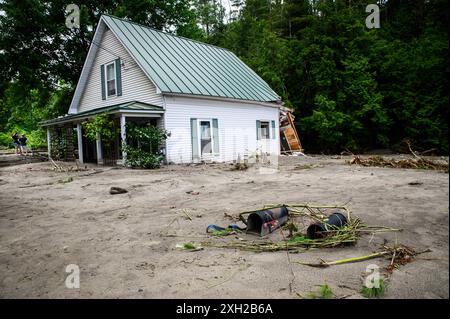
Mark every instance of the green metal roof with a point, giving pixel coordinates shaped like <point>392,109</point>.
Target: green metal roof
<point>180,65</point>
<point>123,107</point>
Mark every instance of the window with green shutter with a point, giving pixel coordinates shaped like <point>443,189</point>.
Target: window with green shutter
<point>102,81</point>
<point>258,130</point>
<point>118,77</point>
<point>273,130</point>
<point>110,70</point>
<point>215,123</point>
<point>265,130</point>
<point>111,79</point>
<point>194,140</point>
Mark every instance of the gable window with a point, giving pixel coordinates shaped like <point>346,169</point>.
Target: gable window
<point>111,79</point>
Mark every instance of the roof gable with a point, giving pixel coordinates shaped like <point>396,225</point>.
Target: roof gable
<point>180,65</point>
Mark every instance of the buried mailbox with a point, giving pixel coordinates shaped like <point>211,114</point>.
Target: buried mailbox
<point>335,220</point>
<point>266,221</point>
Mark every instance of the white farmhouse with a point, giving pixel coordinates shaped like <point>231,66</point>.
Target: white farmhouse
<point>212,104</point>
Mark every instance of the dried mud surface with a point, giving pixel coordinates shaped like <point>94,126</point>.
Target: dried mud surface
<point>125,244</point>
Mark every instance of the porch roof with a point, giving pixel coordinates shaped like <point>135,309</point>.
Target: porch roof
<point>133,106</point>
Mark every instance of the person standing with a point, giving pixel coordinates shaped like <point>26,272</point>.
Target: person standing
<point>16,143</point>
<point>23,144</point>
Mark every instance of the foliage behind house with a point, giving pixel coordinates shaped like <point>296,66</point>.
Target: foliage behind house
<point>351,87</point>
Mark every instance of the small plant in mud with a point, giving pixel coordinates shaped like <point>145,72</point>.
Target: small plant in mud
<point>189,246</point>
<point>324,292</point>
<point>376,291</point>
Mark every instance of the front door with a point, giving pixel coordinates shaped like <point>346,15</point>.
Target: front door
<point>205,138</point>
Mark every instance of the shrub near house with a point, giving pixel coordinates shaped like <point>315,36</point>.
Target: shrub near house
<point>143,144</point>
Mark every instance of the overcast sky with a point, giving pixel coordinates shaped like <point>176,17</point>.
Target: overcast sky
<point>227,5</point>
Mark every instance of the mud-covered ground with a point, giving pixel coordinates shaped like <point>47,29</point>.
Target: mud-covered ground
<point>125,245</point>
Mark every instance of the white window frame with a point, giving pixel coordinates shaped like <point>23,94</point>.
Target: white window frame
<point>105,66</point>
<point>199,137</point>
<point>260,130</point>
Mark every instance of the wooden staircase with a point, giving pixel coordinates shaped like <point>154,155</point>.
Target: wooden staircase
<point>290,142</point>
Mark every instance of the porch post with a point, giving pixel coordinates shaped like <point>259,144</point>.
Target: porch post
<point>98,141</point>
<point>124,136</point>
<point>49,142</point>
<point>80,143</point>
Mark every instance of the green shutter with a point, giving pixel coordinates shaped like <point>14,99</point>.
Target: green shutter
<point>102,79</point>
<point>258,130</point>
<point>194,140</point>
<point>273,130</point>
<point>118,77</point>
<point>215,133</point>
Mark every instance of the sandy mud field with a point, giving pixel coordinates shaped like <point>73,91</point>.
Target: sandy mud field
<point>125,244</point>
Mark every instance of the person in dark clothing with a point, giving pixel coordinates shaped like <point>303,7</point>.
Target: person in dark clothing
<point>23,144</point>
<point>16,143</point>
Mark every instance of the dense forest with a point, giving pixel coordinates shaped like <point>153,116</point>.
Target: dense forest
<point>352,88</point>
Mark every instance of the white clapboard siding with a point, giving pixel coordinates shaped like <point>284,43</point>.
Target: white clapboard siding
<point>136,86</point>
<point>237,127</point>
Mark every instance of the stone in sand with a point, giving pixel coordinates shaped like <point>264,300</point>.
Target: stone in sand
<point>117,190</point>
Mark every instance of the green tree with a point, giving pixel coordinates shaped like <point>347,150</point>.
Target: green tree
<point>351,87</point>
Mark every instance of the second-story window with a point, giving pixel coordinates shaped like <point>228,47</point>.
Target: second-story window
<point>111,79</point>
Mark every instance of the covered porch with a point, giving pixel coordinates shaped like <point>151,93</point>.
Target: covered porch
<point>66,138</point>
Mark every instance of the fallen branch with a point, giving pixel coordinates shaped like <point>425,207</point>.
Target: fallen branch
<point>400,255</point>
<point>37,185</point>
<point>428,151</point>
<point>417,163</point>
<point>184,211</point>
<point>54,164</point>
<point>412,152</point>
<point>324,264</point>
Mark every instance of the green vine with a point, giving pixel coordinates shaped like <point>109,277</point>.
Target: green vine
<point>103,125</point>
